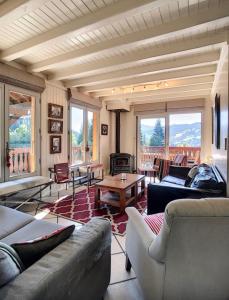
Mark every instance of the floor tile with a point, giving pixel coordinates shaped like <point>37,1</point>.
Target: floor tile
<point>127,290</point>
<point>66,222</point>
<point>121,240</point>
<point>115,247</point>
<point>118,271</point>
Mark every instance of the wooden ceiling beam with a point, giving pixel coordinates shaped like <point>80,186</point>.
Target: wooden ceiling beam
<point>78,26</point>
<point>144,79</point>
<point>199,21</point>
<point>151,67</point>
<point>167,51</point>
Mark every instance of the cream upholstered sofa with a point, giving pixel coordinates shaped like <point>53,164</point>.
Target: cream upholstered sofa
<point>189,258</point>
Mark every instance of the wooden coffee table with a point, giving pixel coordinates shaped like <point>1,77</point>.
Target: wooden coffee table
<point>119,193</point>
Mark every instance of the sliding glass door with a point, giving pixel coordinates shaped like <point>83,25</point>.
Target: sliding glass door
<point>20,137</point>
<point>84,135</point>
<point>166,135</point>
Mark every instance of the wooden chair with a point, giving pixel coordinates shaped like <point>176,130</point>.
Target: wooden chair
<point>180,160</point>
<point>63,175</point>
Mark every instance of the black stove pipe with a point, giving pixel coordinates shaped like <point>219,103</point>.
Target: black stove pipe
<point>117,132</point>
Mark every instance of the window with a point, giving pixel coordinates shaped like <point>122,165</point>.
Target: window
<point>167,135</point>
<point>84,135</point>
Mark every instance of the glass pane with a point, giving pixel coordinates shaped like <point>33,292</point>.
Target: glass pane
<point>77,135</point>
<point>92,136</point>
<point>185,134</point>
<point>21,122</point>
<point>152,140</point>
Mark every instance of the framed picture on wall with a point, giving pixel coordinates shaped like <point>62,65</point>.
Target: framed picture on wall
<point>55,144</point>
<point>217,121</point>
<point>104,129</point>
<point>55,111</point>
<point>55,126</point>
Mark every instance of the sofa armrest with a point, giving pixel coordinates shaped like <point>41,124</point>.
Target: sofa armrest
<point>159,195</point>
<point>70,271</point>
<point>179,171</point>
<point>137,226</point>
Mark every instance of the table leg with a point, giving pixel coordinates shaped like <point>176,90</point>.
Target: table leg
<point>122,201</point>
<point>143,186</point>
<point>97,197</point>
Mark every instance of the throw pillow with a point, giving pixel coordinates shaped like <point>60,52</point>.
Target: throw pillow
<point>31,251</point>
<point>10,264</point>
<point>191,175</point>
<point>155,222</point>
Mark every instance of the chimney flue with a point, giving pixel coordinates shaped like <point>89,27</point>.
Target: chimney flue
<point>117,133</point>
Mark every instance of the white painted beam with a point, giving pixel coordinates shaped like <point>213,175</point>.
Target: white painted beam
<point>201,20</point>
<point>12,10</point>
<point>190,72</point>
<point>86,23</point>
<point>178,97</point>
<point>142,56</point>
<point>175,96</point>
<point>161,92</point>
<point>112,93</point>
<point>164,91</point>
<point>150,68</point>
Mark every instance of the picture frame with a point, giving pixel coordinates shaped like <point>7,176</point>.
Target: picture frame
<point>217,121</point>
<point>104,129</point>
<point>55,126</point>
<point>55,111</point>
<point>55,144</point>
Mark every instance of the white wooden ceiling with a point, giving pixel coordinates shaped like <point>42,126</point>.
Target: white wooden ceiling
<point>139,50</point>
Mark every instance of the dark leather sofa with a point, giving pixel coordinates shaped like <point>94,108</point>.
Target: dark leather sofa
<point>208,182</point>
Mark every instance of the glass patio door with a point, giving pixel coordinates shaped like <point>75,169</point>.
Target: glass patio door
<point>84,135</point>
<point>21,138</point>
<point>152,140</point>
<point>1,132</point>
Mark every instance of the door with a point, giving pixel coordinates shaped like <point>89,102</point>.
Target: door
<point>22,133</point>
<point>2,132</point>
<point>84,135</point>
<point>151,141</point>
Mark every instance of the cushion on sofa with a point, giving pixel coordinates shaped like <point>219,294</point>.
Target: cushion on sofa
<point>191,175</point>
<point>10,264</point>
<point>155,222</point>
<point>31,231</point>
<point>12,220</point>
<point>205,178</point>
<point>32,250</point>
<point>172,179</point>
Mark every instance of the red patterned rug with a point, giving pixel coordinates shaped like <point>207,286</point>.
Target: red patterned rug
<point>82,210</point>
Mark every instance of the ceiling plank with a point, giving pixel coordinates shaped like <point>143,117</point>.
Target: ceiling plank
<point>143,55</point>
<point>101,17</point>
<point>12,10</point>
<point>166,91</point>
<point>152,67</point>
<point>190,72</point>
<point>180,26</point>
<point>112,93</point>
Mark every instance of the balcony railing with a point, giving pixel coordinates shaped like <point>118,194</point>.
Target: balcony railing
<point>19,161</point>
<point>148,153</point>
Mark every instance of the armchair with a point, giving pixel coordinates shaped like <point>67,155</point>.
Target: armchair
<point>188,259</point>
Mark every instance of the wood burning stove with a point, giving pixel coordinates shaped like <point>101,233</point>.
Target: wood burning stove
<point>121,163</point>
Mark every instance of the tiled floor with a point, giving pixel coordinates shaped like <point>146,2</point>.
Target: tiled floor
<point>123,284</point>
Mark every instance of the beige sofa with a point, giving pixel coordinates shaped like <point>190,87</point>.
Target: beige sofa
<point>189,259</point>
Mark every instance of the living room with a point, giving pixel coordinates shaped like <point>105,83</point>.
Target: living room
<point>118,99</point>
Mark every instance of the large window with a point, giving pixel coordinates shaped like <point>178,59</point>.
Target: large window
<point>167,135</point>
<point>84,135</point>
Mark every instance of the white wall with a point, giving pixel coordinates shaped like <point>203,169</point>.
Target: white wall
<point>220,156</point>
<point>106,140</point>
<point>52,94</point>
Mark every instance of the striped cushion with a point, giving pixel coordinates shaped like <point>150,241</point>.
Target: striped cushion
<point>155,222</point>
